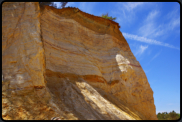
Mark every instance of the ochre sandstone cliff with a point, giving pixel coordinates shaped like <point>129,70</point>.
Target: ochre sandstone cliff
<point>69,64</point>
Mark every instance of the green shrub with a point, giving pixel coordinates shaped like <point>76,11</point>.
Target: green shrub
<point>168,116</point>
<point>106,16</point>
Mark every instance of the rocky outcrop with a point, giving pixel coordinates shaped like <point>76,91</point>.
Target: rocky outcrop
<point>24,94</point>
<point>70,64</point>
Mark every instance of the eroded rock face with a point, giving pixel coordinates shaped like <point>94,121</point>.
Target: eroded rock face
<point>78,66</point>
<point>24,95</point>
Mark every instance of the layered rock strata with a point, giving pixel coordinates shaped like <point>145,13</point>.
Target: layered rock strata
<point>24,93</point>
<point>70,64</point>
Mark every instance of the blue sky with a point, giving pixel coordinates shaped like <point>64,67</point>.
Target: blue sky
<point>152,30</point>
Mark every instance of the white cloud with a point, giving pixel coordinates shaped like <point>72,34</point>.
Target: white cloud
<point>149,25</point>
<point>146,71</point>
<point>125,12</point>
<point>131,5</point>
<point>172,14</point>
<point>174,23</point>
<point>59,4</point>
<point>147,29</point>
<point>141,50</point>
<point>152,28</point>
<point>174,20</point>
<point>87,6</point>
<point>146,40</point>
<point>70,4</point>
<point>152,15</point>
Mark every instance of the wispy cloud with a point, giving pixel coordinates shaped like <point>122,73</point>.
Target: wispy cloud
<point>172,14</point>
<point>174,23</point>
<point>126,12</point>
<point>59,4</point>
<point>70,4</point>
<point>155,56</point>
<point>87,6</point>
<point>152,15</point>
<point>173,18</point>
<point>146,71</point>
<point>152,27</point>
<point>131,5</point>
<point>146,40</point>
<point>149,26</point>
<point>140,50</point>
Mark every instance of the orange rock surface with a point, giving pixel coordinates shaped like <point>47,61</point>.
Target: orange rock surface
<point>69,64</point>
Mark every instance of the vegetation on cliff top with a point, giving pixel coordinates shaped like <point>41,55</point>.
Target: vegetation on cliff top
<point>63,4</point>
<point>106,16</point>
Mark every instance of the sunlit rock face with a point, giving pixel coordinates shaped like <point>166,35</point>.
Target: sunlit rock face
<point>69,64</point>
<point>24,95</point>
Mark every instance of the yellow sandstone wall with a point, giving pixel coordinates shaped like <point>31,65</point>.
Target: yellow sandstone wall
<point>24,95</point>
<point>76,65</point>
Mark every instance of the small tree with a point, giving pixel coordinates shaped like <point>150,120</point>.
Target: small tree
<point>173,115</point>
<point>106,16</point>
<point>159,116</point>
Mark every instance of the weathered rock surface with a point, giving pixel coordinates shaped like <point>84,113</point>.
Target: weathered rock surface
<point>24,95</point>
<point>67,63</point>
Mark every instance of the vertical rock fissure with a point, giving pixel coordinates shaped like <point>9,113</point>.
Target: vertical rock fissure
<point>41,38</point>
<point>51,102</point>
